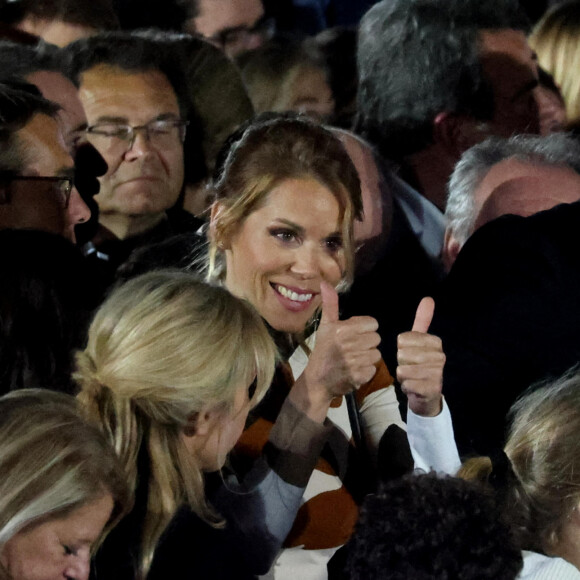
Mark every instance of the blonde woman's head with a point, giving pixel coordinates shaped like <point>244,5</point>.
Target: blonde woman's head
<point>270,151</point>
<point>555,40</point>
<point>542,498</point>
<point>170,365</point>
<point>54,467</point>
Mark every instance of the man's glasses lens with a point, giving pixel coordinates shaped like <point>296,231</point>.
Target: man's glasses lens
<point>60,187</point>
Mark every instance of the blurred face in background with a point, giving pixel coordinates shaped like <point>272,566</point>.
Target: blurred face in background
<point>235,26</point>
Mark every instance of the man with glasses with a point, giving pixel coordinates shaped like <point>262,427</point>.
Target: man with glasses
<point>36,169</point>
<point>235,26</point>
<point>136,119</point>
<point>42,67</point>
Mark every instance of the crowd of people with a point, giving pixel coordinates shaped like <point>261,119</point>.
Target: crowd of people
<point>288,290</point>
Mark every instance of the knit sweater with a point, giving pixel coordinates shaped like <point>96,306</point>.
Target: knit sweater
<point>338,480</point>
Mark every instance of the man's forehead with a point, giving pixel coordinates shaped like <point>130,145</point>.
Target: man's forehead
<point>218,15</point>
<point>55,87</point>
<point>505,41</point>
<point>43,148</point>
<point>110,91</point>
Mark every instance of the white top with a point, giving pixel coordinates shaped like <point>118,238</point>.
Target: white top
<point>432,446</point>
<point>540,567</point>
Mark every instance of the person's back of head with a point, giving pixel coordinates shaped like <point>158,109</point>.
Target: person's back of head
<point>470,193</point>
<point>167,353</point>
<point>428,527</point>
<point>539,486</point>
<point>420,58</point>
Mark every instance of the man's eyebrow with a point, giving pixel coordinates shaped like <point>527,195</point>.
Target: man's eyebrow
<point>108,119</point>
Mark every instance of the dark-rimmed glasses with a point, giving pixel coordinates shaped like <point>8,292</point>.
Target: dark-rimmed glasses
<point>235,40</point>
<point>120,137</point>
<point>60,187</point>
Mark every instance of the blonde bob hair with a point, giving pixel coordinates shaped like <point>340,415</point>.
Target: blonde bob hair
<point>164,347</point>
<point>542,447</point>
<point>265,153</point>
<point>52,462</point>
<point>555,40</point>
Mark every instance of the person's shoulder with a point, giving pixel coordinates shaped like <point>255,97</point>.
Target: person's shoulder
<point>541,567</point>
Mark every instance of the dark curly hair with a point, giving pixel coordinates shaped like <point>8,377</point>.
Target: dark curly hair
<point>427,527</point>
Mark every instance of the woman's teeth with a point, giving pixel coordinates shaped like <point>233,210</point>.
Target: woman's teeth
<point>293,295</point>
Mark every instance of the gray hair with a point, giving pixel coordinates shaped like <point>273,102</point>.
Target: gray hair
<point>558,149</point>
<point>417,58</point>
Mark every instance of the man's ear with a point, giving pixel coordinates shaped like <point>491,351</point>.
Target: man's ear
<point>451,247</point>
<point>218,237</point>
<point>456,133</point>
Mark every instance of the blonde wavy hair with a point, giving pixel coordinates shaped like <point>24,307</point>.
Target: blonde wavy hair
<point>542,447</point>
<point>555,40</point>
<point>52,462</point>
<point>272,149</point>
<point>162,348</point>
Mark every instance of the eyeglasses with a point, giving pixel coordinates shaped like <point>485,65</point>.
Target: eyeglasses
<point>235,40</point>
<point>59,187</point>
<point>120,137</point>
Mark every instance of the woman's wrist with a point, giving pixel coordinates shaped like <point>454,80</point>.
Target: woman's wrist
<point>312,399</point>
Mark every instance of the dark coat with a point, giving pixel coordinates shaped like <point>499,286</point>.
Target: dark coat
<point>508,315</point>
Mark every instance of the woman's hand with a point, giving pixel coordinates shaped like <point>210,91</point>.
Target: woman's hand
<point>343,358</point>
<point>421,360</point>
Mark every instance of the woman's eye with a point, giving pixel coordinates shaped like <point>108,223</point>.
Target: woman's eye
<point>334,245</point>
<point>284,235</point>
<point>69,551</point>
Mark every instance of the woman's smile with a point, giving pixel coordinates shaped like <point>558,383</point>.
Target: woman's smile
<point>284,249</point>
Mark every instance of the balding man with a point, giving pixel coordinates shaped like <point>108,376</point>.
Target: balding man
<point>521,176</point>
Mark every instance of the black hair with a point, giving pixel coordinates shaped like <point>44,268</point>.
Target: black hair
<point>417,58</point>
<point>20,60</point>
<point>98,14</point>
<point>45,303</point>
<point>19,102</point>
<point>161,14</point>
<point>430,527</point>
<point>130,52</point>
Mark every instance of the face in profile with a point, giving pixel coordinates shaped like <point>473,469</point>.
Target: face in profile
<point>55,87</point>
<point>279,255</point>
<point>509,66</point>
<point>57,548</point>
<point>40,205</point>
<point>224,428</point>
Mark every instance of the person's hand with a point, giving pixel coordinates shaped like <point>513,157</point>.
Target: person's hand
<point>421,360</point>
<point>343,358</point>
